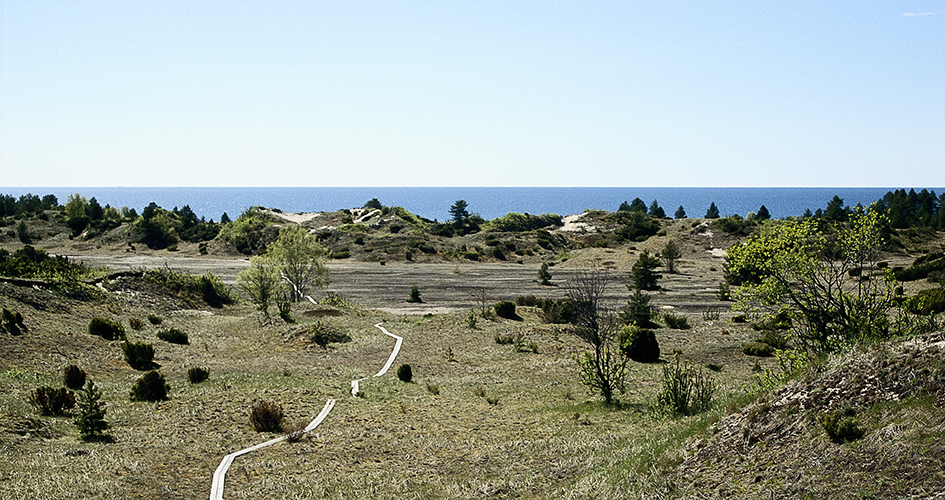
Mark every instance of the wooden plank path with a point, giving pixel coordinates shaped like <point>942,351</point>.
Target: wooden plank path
<point>219,476</point>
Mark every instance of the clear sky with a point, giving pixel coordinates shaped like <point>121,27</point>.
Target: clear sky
<point>477,93</point>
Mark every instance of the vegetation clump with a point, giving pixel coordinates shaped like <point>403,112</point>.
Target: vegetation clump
<point>12,323</point>
<point>90,413</point>
<point>404,373</point>
<point>73,377</point>
<point>174,336</point>
<point>266,416</point>
<point>150,387</point>
<point>324,333</point>
<point>841,426</point>
<point>52,402</point>
<point>639,344</point>
<point>197,375</point>
<point>107,329</point>
<point>685,389</point>
<point>138,354</point>
<point>506,309</point>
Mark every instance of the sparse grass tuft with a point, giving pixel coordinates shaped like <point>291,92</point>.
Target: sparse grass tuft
<point>266,416</point>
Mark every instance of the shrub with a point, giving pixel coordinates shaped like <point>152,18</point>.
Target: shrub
<point>404,373</point>
<point>52,402</point>
<point>685,390</point>
<point>73,377</point>
<point>155,320</point>
<point>675,322</point>
<point>841,426</point>
<point>639,344</point>
<point>506,309</point>
<point>12,322</point>
<point>174,336</point>
<point>324,333</point>
<point>561,311</point>
<point>266,416</point>
<point>471,319</point>
<point>138,354</point>
<point>90,417</point>
<point>433,388</point>
<point>927,302</point>
<point>197,375</point>
<point>108,330</point>
<point>639,312</point>
<point>528,300</point>
<point>136,323</point>
<point>504,339</point>
<point>759,349</point>
<point>150,387</point>
<point>415,295</point>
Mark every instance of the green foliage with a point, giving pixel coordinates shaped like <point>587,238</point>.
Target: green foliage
<point>516,222</point>
<point>759,349</point>
<point>927,302</point>
<point>561,311</point>
<point>90,413</point>
<point>261,281</point>
<point>373,204</point>
<point>323,333</point>
<point>301,261</point>
<point>735,225</point>
<point>35,263</point>
<point>675,322</point>
<point>544,275</point>
<point>639,344</point>
<point>841,426</point>
<point>136,323</point>
<point>12,323</point>
<point>150,387</point>
<point>669,255</point>
<point>415,295</point>
<point>155,320</point>
<point>656,210</point>
<point>174,336</point>
<point>459,213</point>
<point>73,377</point>
<point>248,233</point>
<point>266,416</point>
<point>922,268</point>
<point>604,367</point>
<point>685,389</point>
<point>639,312</point>
<point>471,319</point>
<point>802,266</point>
<point>138,354</point>
<point>680,213</point>
<point>404,373</point>
<point>108,330</point>
<point>22,233</point>
<point>642,272</point>
<point>197,375</point>
<point>790,363</point>
<point>207,288</point>
<point>635,225</point>
<point>506,309</point>
<point>712,212</point>
<point>52,402</point>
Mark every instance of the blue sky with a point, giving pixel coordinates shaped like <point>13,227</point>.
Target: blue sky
<point>508,93</point>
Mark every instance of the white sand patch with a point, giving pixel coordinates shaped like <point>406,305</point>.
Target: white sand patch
<point>366,216</point>
<point>572,224</point>
<point>297,218</point>
<point>717,252</point>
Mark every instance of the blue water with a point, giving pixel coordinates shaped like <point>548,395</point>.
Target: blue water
<point>488,202</point>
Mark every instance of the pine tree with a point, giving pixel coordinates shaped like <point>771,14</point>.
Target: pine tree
<point>712,212</point>
<point>90,417</point>
<point>643,274</point>
<point>544,275</point>
<point>656,210</point>
<point>680,212</point>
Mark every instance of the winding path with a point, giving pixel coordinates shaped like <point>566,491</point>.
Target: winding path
<point>219,476</point>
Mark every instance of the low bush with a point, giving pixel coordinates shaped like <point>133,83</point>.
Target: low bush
<point>433,389</point>
<point>266,416</point>
<point>841,426</point>
<point>759,349</point>
<point>685,390</point>
<point>926,302</point>
<point>138,354</point>
<point>52,402</point>
<point>415,295</point>
<point>639,344</point>
<point>504,339</point>
<point>404,373</point>
<point>108,330</point>
<point>155,320</point>
<point>174,336</point>
<point>73,377</point>
<point>324,333</point>
<point>506,309</point>
<point>675,322</point>
<point>197,375</point>
<point>528,301</point>
<point>136,323</point>
<point>12,322</point>
<point>150,387</point>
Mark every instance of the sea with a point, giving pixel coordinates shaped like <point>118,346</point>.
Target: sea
<point>488,202</point>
